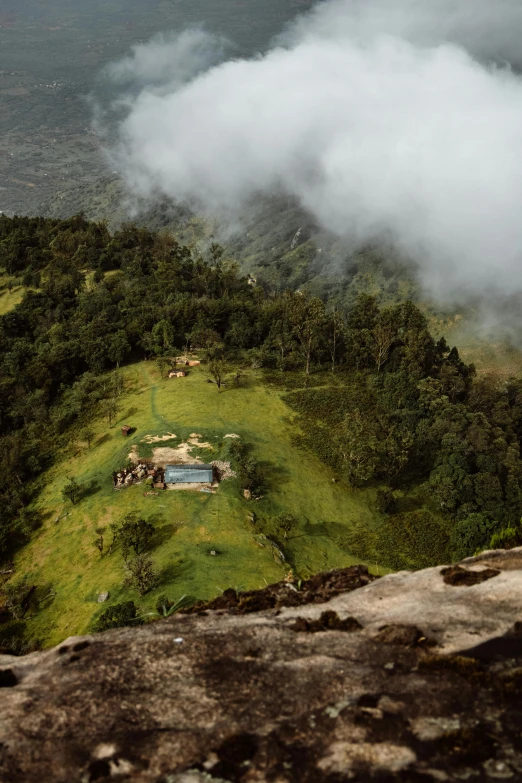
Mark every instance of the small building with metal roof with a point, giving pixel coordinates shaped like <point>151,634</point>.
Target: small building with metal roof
<point>189,474</point>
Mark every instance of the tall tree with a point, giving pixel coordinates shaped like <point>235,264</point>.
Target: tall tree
<point>133,533</point>
<point>336,328</point>
<point>217,369</point>
<point>308,320</point>
<point>141,574</point>
<point>72,491</point>
<point>358,445</point>
<point>382,337</point>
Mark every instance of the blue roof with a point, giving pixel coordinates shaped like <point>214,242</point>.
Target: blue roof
<point>188,474</point>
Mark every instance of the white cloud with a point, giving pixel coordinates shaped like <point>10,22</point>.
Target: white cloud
<point>382,119</point>
<point>167,60</point>
<point>486,29</point>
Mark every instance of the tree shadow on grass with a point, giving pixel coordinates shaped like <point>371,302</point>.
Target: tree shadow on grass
<point>173,572</point>
<point>319,529</point>
<point>102,439</point>
<point>275,476</point>
<point>47,516</point>
<point>44,596</point>
<point>323,528</point>
<point>90,488</point>
<point>162,534</point>
<point>29,522</point>
<point>32,519</point>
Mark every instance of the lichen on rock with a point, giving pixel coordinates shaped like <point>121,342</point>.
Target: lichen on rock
<point>345,678</point>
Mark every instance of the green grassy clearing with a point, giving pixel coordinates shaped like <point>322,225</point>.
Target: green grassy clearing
<point>189,523</point>
<point>9,298</point>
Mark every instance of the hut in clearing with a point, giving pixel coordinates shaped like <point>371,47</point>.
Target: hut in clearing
<point>189,474</point>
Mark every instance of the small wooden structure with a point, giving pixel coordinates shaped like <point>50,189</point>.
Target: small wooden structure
<point>177,374</point>
<point>125,430</point>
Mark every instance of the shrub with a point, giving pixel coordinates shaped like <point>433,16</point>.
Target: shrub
<point>508,538</point>
<point>385,501</point>
<point>18,597</point>
<point>470,534</point>
<point>416,539</point>
<point>285,523</point>
<point>87,435</point>
<point>117,616</point>
<point>72,491</point>
<point>251,475</point>
<point>163,605</point>
<point>249,471</point>
<point>141,574</point>
<point>133,532</point>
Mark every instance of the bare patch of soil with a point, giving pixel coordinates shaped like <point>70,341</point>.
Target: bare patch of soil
<point>178,455</point>
<point>158,438</point>
<point>194,440</point>
<point>173,455</point>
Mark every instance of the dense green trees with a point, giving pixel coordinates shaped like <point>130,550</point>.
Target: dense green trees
<point>407,411</point>
<point>509,538</point>
<point>399,408</point>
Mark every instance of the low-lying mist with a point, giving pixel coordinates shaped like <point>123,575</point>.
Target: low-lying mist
<point>394,121</point>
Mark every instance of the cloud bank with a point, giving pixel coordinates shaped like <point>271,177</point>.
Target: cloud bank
<point>396,120</point>
<point>167,62</point>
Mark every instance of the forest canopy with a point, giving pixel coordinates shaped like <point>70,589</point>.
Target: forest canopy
<point>380,400</point>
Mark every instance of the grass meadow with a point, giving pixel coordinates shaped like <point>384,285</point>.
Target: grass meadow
<point>9,298</point>
<point>188,524</point>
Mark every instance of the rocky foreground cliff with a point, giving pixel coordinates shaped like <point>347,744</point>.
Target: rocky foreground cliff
<point>416,676</point>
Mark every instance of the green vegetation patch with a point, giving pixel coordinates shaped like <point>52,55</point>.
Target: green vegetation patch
<point>189,524</point>
<point>11,294</point>
<point>386,447</point>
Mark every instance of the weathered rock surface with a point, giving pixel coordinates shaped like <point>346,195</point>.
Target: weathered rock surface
<point>411,677</point>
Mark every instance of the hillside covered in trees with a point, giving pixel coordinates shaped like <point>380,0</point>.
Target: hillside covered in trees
<point>378,399</point>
